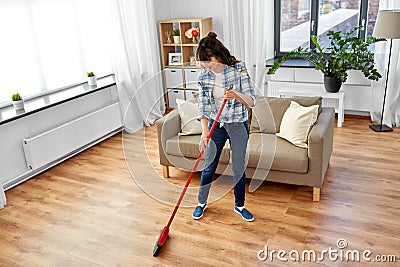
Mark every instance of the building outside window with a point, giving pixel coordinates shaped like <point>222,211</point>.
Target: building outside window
<point>297,20</point>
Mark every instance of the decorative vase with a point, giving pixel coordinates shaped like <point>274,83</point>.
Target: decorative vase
<point>168,34</point>
<point>332,84</point>
<point>177,39</point>
<point>92,80</point>
<point>18,105</point>
<point>194,40</point>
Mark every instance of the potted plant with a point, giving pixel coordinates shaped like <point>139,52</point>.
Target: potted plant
<point>17,101</point>
<point>91,78</point>
<point>176,35</point>
<point>344,53</point>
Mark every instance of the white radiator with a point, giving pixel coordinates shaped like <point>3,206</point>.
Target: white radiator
<point>53,144</point>
<point>273,86</point>
<point>357,97</point>
<point>273,90</point>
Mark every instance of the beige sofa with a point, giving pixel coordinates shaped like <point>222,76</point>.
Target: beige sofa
<point>274,158</point>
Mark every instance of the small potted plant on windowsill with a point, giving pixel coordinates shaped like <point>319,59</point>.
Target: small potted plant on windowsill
<point>17,101</point>
<point>176,35</point>
<point>91,78</point>
<point>345,52</point>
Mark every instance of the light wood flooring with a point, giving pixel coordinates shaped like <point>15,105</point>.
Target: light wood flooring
<point>88,211</point>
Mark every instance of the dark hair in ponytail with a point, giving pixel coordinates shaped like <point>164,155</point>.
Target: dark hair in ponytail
<point>210,46</point>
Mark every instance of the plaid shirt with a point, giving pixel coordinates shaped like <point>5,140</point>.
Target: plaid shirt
<point>235,111</point>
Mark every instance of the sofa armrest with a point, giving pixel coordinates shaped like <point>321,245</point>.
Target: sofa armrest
<point>320,144</point>
<point>323,125</point>
<point>167,127</point>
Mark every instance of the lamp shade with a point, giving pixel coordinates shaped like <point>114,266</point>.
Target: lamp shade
<point>387,24</point>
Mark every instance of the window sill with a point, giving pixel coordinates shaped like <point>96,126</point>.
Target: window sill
<point>8,113</point>
<point>291,63</point>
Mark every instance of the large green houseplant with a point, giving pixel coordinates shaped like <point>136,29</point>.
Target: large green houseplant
<point>345,52</point>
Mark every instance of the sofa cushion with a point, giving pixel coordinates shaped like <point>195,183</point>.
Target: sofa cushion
<point>188,111</point>
<point>297,122</point>
<point>268,112</point>
<point>284,155</point>
<point>188,146</point>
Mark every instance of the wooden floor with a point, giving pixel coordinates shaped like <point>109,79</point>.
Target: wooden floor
<point>89,210</point>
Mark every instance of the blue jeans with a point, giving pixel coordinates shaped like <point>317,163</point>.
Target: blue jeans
<point>238,134</point>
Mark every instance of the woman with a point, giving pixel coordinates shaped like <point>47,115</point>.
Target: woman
<point>223,71</point>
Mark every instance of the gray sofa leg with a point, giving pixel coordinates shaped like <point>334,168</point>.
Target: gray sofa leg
<point>165,171</point>
<point>316,193</point>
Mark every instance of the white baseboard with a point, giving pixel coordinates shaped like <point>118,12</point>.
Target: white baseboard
<point>3,200</point>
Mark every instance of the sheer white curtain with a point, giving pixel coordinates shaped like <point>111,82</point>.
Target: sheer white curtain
<point>249,35</point>
<point>392,106</point>
<point>49,44</point>
<point>136,62</point>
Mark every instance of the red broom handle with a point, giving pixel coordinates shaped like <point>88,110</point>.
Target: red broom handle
<point>195,165</point>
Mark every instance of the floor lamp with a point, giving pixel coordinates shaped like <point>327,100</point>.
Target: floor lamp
<point>387,26</point>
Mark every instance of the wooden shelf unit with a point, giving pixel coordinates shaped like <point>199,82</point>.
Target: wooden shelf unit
<point>187,49</point>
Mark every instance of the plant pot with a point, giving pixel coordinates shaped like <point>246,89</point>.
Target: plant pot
<point>18,105</point>
<point>332,84</point>
<point>92,80</point>
<point>177,39</point>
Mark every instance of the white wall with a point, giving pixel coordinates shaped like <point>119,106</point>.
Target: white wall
<point>192,9</point>
<point>163,9</point>
<point>12,158</point>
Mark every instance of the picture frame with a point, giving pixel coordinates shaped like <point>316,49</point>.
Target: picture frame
<point>174,59</point>
<point>192,60</point>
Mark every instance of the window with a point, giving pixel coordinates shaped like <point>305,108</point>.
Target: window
<point>48,45</point>
<point>297,20</point>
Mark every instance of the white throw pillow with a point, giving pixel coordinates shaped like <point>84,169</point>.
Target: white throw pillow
<point>188,111</point>
<point>297,122</point>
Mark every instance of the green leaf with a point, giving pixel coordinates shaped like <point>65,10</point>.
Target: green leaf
<point>345,52</point>
<point>314,39</point>
<point>16,97</point>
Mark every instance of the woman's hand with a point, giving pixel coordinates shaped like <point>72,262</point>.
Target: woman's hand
<point>245,99</point>
<point>204,142</point>
<point>230,94</point>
